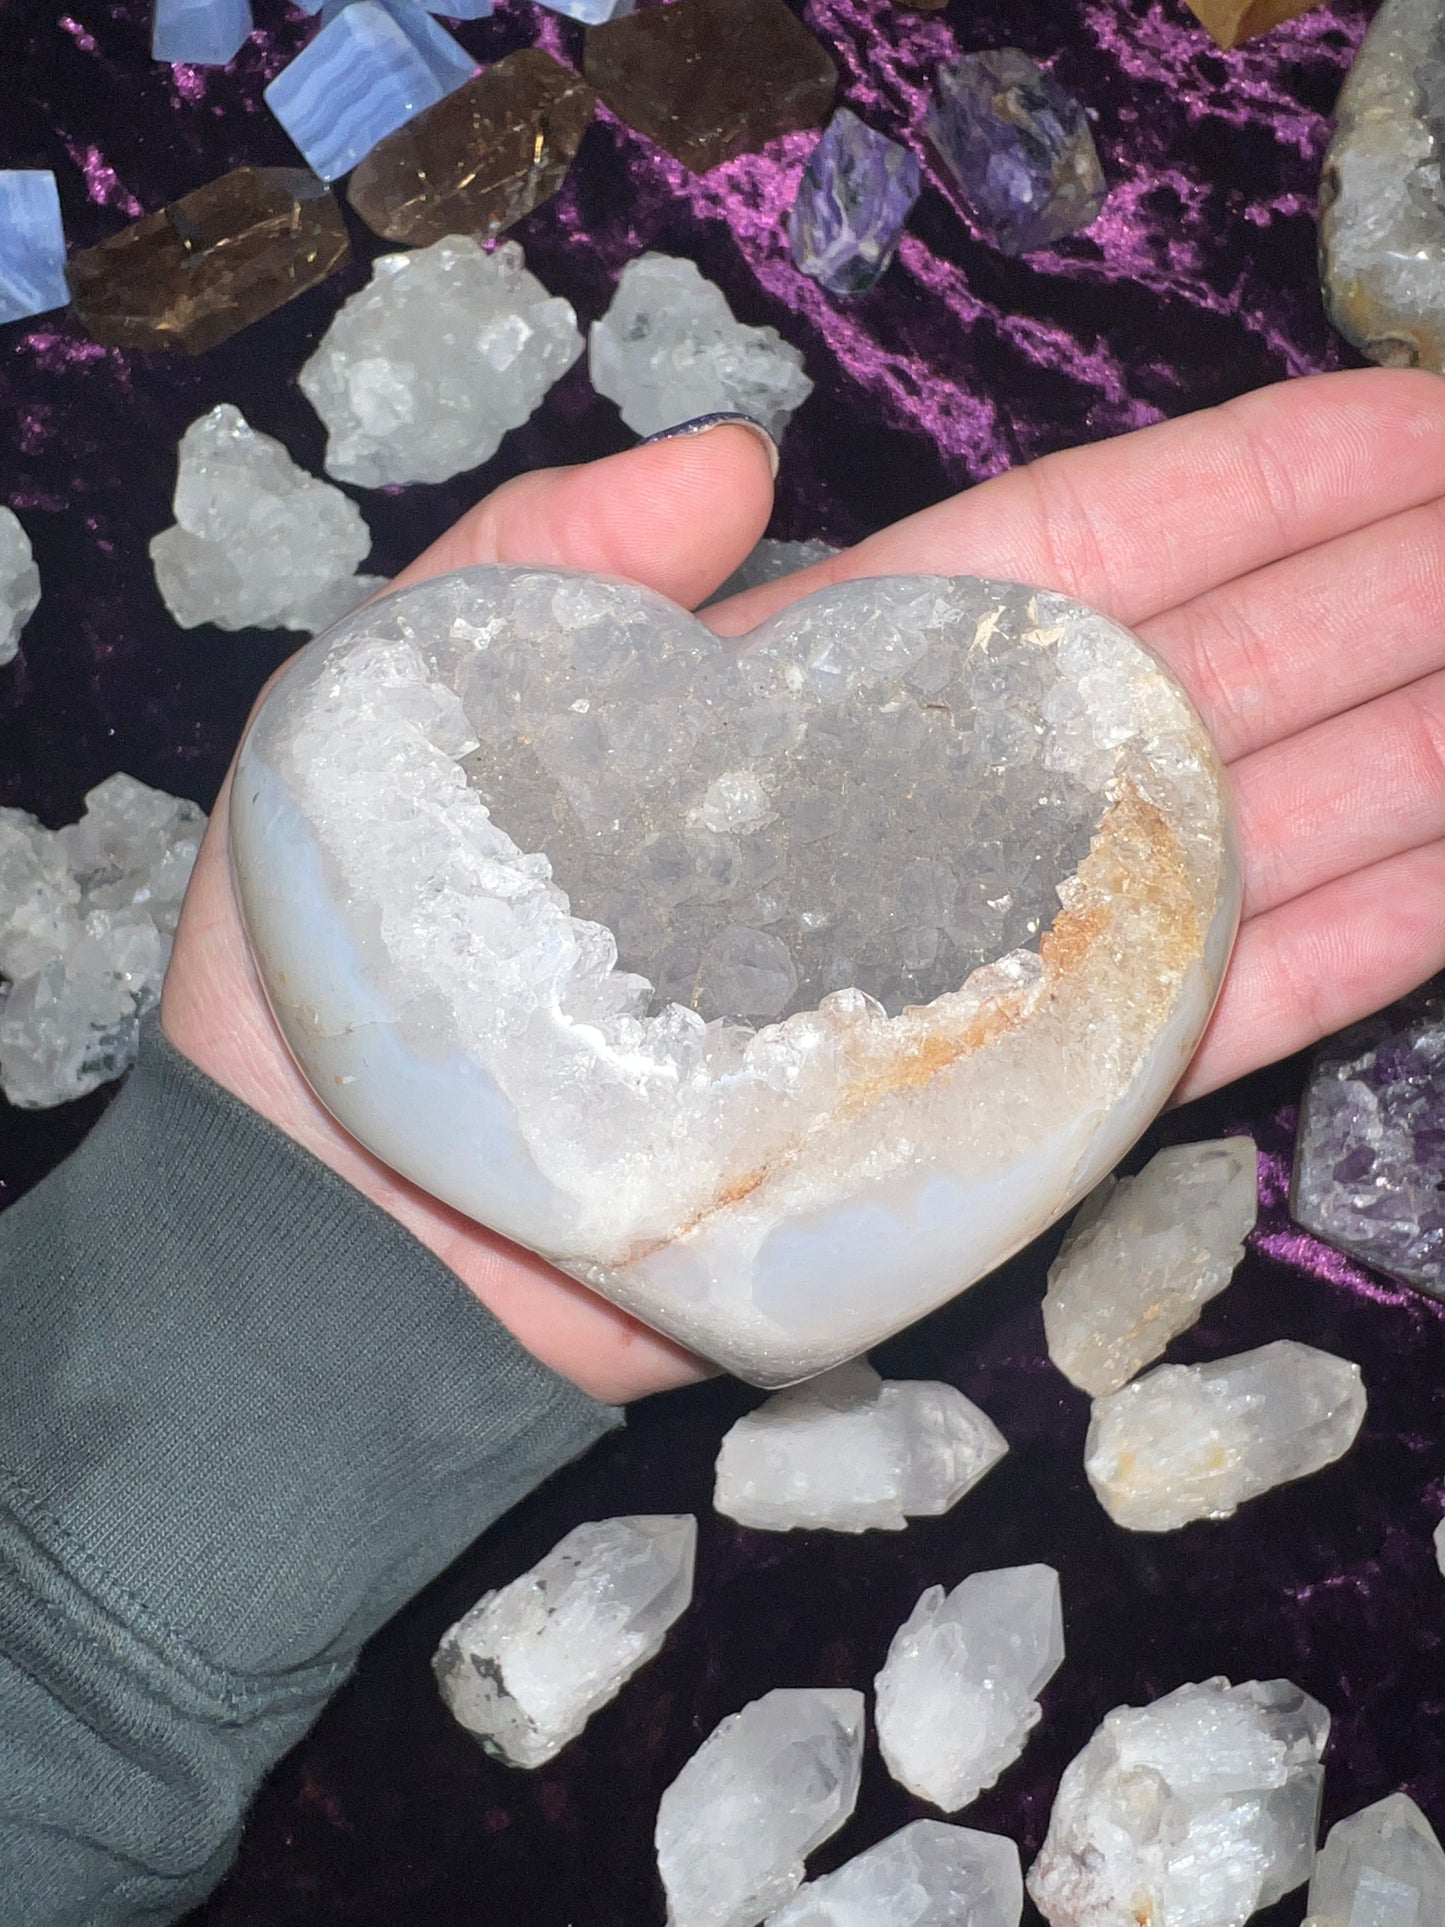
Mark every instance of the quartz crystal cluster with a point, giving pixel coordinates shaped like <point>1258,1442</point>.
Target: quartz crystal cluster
<point>769,1785</point>
<point>1195,1441</point>
<point>856,193</point>
<point>849,1453</point>
<point>926,1875</point>
<point>669,350</point>
<point>19,584</point>
<point>257,542</point>
<point>1200,1808</point>
<point>1383,1867</point>
<point>1369,1171</point>
<point>528,1666</point>
<point>958,1694</point>
<point>87,914</point>
<point>1382,206</point>
<point>422,373</point>
<point>545,881</point>
<point>1144,1256</point>
<point>32,244</point>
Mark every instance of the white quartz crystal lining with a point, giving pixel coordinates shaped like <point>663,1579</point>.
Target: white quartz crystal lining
<point>1194,1811</point>
<point>766,1787</point>
<point>1196,1441</point>
<point>423,372</point>
<point>926,1875</point>
<point>844,1170</point>
<point>19,584</point>
<point>1144,1256</point>
<point>958,1693</point>
<point>529,1665</point>
<point>847,1452</point>
<point>257,542</point>
<point>87,916</point>
<point>1383,1867</point>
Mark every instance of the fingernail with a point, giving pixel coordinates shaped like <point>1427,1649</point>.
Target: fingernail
<point>704,424</point>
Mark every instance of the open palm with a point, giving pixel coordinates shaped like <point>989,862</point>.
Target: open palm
<point>1284,554</point>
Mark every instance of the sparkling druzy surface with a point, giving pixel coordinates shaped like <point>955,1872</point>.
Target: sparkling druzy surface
<point>857,191</point>
<point>545,880</point>
<point>32,244</point>
<point>197,272</point>
<point>480,159</point>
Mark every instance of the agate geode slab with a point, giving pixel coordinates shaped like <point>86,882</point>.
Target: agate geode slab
<point>777,989</point>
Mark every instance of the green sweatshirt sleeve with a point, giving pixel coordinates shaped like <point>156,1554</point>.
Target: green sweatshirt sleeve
<point>243,1416</point>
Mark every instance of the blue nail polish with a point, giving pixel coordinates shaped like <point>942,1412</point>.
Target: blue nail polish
<point>700,425</point>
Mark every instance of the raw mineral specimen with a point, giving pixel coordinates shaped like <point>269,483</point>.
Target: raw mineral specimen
<point>87,914</point>
<point>203,33</point>
<point>1440,1546</point>
<point>19,584</point>
<point>856,193</point>
<point>1195,1441</point>
<point>1382,206</point>
<point>848,1453</point>
<point>32,244</point>
<point>770,561</point>
<point>374,66</point>
<point>601,886</point>
<point>1370,1155</point>
<point>668,350</point>
<point>926,1875</point>
<point>591,12</point>
<point>1383,1867</point>
<point>769,1785</point>
<point>422,373</point>
<point>210,264</point>
<point>1231,21</point>
<point>710,79</point>
<point>480,159</point>
<point>1019,148</point>
<point>1145,1256</point>
<point>1201,1807</point>
<point>528,1666</point>
<point>257,543</point>
<point>958,1694</point>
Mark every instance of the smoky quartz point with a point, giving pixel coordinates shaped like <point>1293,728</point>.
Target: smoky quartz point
<point>198,271</point>
<point>480,159</point>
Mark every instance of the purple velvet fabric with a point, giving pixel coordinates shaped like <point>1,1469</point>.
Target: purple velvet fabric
<point>1197,282</point>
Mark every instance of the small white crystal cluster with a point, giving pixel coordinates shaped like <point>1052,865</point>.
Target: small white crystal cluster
<point>1200,1808</point>
<point>668,350</point>
<point>529,1665</point>
<point>1144,1256</point>
<point>19,584</point>
<point>87,914</point>
<point>926,1875</point>
<point>848,1452</point>
<point>257,543</point>
<point>423,372</point>
<point>1383,1867</point>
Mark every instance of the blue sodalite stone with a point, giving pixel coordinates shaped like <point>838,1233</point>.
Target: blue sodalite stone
<point>373,67</point>
<point>1019,148</point>
<point>592,13</point>
<point>857,192</point>
<point>32,244</point>
<point>200,33</point>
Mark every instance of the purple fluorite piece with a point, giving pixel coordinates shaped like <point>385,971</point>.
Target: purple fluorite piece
<point>1019,147</point>
<point>857,191</point>
<point>1369,1171</point>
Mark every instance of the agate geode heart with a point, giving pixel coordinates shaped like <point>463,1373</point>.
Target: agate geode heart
<point>777,989</point>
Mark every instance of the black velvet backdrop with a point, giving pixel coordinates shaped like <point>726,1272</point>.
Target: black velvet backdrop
<point>1197,283</point>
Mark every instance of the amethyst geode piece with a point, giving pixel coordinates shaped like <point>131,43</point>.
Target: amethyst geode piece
<point>857,191</point>
<point>1369,1173</point>
<point>1019,148</point>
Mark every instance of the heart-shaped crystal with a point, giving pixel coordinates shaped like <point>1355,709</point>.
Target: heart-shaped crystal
<point>776,989</point>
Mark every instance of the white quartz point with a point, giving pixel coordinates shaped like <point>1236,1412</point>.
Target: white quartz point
<point>1194,1811</point>
<point>1440,1546</point>
<point>19,584</point>
<point>529,1665</point>
<point>958,1694</point>
<point>1383,1867</point>
<point>769,1785</point>
<point>257,542</point>
<point>1143,1258</point>
<point>668,350</point>
<point>1195,1441</point>
<point>849,1452</point>
<point>423,372</point>
<point>927,1875</point>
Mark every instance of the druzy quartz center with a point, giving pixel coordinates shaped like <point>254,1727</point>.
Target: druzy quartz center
<point>777,989</point>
